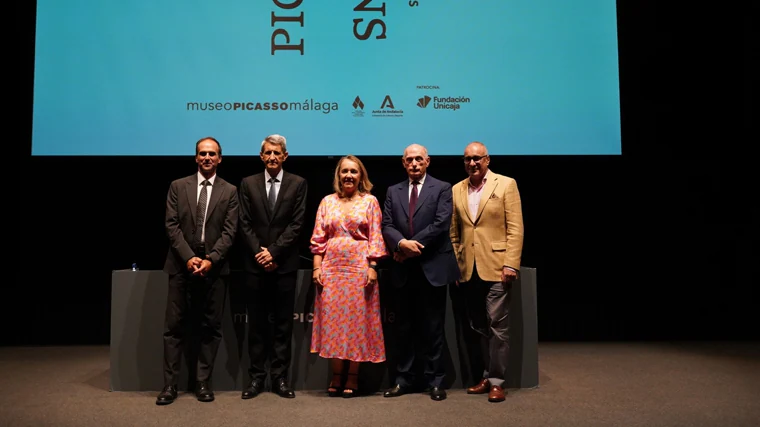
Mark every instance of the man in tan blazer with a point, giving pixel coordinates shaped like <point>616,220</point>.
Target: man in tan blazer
<point>487,234</point>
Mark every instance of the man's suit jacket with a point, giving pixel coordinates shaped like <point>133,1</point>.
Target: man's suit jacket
<point>494,237</point>
<point>431,219</point>
<point>221,223</point>
<point>276,229</point>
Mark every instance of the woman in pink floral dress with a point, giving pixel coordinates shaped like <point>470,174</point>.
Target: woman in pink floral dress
<point>347,242</point>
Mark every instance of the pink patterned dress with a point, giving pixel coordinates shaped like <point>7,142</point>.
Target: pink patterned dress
<point>347,322</point>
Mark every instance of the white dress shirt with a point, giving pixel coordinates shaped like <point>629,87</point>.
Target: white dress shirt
<point>419,186</point>
<point>419,189</point>
<point>201,178</point>
<point>474,194</point>
<point>277,184</point>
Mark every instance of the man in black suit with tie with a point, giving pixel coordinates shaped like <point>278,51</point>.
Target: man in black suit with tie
<point>416,220</point>
<point>201,222</point>
<point>272,208</point>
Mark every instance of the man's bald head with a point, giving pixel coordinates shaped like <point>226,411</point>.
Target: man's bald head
<point>415,161</point>
<point>476,161</point>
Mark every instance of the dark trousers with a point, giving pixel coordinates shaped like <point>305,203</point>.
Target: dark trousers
<point>193,323</point>
<point>488,313</point>
<point>420,314</point>
<point>270,301</point>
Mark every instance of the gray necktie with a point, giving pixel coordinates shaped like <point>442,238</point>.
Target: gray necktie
<point>200,212</point>
<point>272,192</point>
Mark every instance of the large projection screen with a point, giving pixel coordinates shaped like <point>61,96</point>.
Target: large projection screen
<point>150,77</point>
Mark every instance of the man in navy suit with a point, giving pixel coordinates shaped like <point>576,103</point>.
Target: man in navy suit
<point>416,219</point>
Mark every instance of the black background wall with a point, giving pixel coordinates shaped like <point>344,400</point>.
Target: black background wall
<point>660,243</point>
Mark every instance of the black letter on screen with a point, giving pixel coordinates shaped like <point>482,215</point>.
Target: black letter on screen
<point>287,45</point>
<point>293,5</point>
<point>275,19</point>
<point>368,30</point>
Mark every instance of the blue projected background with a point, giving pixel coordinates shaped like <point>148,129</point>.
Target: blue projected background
<point>146,77</point>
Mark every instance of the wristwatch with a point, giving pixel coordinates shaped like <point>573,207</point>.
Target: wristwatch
<point>373,266</point>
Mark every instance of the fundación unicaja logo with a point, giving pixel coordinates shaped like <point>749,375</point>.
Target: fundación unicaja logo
<point>450,103</point>
<point>358,107</point>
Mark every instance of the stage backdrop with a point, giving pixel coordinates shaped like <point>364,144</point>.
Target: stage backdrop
<point>144,77</point>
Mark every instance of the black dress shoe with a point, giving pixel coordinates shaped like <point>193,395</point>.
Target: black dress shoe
<point>255,387</point>
<point>203,392</point>
<point>167,395</point>
<point>396,390</point>
<point>281,387</point>
<point>437,393</point>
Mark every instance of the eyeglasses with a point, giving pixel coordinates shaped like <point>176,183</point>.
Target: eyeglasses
<point>409,160</point>
<point>475,159</point>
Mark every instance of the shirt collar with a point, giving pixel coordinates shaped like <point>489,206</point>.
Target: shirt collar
<point>201,178</point>
<point>421,180</point>
<point>278,177</point>
<point>482,183</point>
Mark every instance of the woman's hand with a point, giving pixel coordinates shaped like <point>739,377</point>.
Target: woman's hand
<point>316,276</point>
<point>371,276</point>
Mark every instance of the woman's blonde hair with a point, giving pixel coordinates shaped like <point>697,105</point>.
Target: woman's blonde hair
<point>365,186</point>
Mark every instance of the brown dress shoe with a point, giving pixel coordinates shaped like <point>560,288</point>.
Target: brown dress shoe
<point>479,388</point>
<point>496,394</point>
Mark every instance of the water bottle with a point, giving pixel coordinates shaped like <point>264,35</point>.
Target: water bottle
<point>134,266</point>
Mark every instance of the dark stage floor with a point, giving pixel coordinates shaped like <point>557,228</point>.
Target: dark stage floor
<point>581,384</point>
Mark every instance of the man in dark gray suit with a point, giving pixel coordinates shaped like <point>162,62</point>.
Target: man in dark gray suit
<point>201,222</point>
<point>416,220</point>
<point>272,208</point>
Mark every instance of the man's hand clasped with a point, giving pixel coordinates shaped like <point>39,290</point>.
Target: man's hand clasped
<point>198,267</point>
<point>408,249</point>
<point>265,259</point>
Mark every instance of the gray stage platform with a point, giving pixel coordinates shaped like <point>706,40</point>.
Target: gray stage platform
<point>138,301</point>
